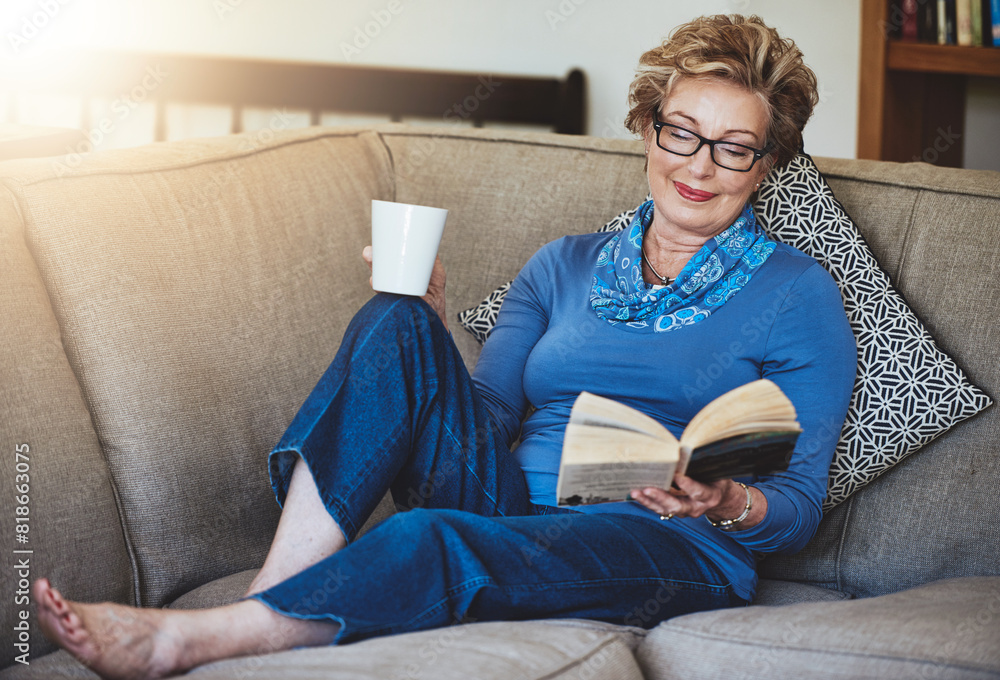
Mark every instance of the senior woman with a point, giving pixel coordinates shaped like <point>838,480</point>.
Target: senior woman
<point>692,282</point>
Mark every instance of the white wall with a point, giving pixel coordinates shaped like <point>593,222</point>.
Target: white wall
<point>982,124</point>
<point>549,37</point>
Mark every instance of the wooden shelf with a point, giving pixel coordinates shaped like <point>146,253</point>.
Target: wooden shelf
<point>954,59</point>
<point>911,99</point>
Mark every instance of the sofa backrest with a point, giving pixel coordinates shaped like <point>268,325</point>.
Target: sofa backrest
<point>201,289</point>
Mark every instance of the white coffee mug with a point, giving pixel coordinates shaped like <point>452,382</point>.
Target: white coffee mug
<point>405,240</point>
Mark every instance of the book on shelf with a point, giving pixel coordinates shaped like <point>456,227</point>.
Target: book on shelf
<point>610,448</point>
<point>993,23</point>
<point>976,22</point>
<point>908,11</point>
<point>927,22</point>
<point>963,22</point>
<point>946,22</point>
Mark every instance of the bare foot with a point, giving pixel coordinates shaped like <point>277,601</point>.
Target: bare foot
<point>122,642</point>
<point>113,640</point>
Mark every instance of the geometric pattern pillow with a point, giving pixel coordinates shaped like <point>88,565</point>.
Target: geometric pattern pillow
<point>907,391</point>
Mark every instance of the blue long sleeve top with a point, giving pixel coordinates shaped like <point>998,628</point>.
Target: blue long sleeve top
<point>787,324</point>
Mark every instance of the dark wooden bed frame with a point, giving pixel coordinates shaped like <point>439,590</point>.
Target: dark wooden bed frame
<point>558,103</point>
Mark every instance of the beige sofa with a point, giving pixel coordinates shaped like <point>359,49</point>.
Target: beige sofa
<point>166,309</point>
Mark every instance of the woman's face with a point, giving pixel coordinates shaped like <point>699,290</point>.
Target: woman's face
<point>691,193</point>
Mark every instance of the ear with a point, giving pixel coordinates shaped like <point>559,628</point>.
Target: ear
<point>762,171</point>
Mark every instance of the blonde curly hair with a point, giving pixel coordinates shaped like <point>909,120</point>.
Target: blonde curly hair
<point>736,49</point>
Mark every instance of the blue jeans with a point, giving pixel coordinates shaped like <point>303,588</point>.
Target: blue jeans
<point>397,410</point>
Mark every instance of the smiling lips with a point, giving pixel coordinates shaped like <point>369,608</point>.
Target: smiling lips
<point>693,194</point>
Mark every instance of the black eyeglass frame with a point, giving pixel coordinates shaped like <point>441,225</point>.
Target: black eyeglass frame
<point>702,141</point>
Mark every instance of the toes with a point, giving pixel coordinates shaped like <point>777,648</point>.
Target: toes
<point>70,620</point>
<point>57,601</point>
<point>75,635</point>
<point>40,589</point>
<point>48,596</point>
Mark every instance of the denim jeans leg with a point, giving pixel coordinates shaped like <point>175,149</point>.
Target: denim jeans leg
<point>398,409</point>
<point>430,568</point>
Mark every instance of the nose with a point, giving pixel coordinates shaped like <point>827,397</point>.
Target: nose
<point>701,163</point>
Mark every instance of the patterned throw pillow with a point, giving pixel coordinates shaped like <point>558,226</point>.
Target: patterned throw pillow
<point>907,390</point>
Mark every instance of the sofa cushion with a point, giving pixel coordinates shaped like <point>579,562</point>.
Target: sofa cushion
<point>202,298</point>
<point>570,649</point>
<point>72,520</point>
<point>949,629</point>
<point>772,593</point>
<point>221,591</point>
<point>524,649</point>
<point>566,648</point>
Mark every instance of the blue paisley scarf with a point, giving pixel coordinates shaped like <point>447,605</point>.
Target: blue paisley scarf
<point>711,277</point>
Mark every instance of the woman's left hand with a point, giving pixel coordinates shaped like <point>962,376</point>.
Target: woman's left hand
<point>722,499</point>
<point>435,290</point>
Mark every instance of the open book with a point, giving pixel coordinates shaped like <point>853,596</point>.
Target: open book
<point>610,448</point>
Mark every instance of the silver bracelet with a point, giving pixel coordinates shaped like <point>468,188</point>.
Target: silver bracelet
<point>728,524</point>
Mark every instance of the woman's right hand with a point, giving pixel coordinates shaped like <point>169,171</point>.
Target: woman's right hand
<point>435,290</point>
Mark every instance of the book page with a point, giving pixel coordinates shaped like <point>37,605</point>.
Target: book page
<point>586,484</point>
<point>601,464</point>
<point>760,402</point>
<point>590,409</point>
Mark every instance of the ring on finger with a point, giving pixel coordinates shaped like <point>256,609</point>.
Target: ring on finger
<point>669,515</point>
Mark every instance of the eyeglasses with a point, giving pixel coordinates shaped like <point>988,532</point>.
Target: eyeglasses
<point>728,155</point>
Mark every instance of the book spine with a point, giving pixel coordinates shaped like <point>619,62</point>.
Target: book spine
<point>894,26</point>
<point>927,31</point>
<point>987,23</point>
<point>995,22</point>
<point>963,22</point>
<point>950,22</point>
<point>909,17</point>
<point>942,23</point>
<point>976,21</point>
